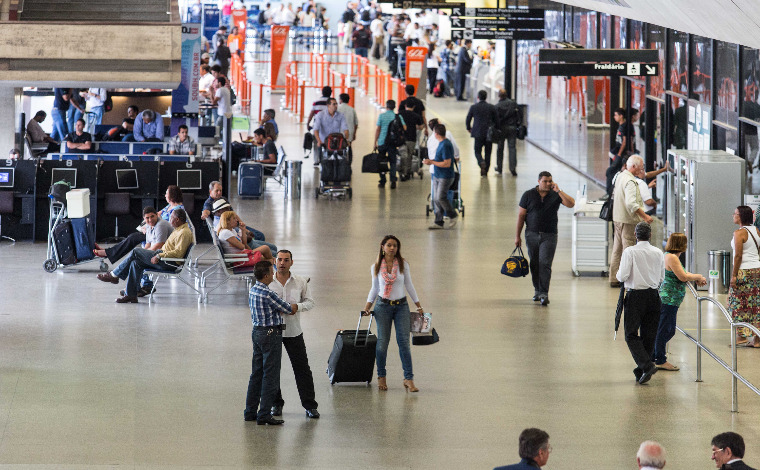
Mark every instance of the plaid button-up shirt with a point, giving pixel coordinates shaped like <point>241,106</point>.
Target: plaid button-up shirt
<point>266,306</point>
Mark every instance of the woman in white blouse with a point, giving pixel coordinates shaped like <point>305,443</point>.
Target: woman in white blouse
<point>391,277</point>
<point>234,241</point>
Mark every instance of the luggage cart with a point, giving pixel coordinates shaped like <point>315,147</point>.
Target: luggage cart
<point>455,193</point>
<point>335,174</point>
<point>57,215</point>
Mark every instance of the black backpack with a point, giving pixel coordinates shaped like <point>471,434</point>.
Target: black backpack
<point>262,17</point>
<point>108,104</point>
<point>395,137</point>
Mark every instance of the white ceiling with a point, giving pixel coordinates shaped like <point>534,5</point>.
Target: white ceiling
<point>736,21</point>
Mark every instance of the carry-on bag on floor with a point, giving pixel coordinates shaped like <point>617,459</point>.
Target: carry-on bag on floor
<point>83,240</point>
<point>335,168</point>
<point>353,355</point>
<point>250,180</point>
<point>63,237</point>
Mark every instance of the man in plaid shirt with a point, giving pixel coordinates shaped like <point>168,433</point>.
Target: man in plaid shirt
<point>182,144</point>
<point>266,314</point>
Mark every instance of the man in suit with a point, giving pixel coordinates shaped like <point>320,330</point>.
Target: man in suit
<point>728,451</point>
<point>651,456</point>
<point>481,116</point>
<point>534,450</point>
<point>464,64</point>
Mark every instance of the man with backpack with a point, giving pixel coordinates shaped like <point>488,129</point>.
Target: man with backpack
<point>389,136</point>
<point>509,119</point>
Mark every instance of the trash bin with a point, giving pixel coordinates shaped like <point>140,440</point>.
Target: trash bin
<point>719,275</point>
<point>293,179</point>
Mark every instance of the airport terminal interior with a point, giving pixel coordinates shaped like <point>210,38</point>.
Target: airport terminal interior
<point>86,383</point>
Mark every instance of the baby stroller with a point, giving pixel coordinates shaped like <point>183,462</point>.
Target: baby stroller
<point>335,168</point>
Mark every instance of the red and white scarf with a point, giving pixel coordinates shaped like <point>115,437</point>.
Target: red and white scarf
<point>389,278</point>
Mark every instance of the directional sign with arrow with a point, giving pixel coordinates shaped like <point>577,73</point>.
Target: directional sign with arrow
<point>500,12</point>
<point>406,4</point>
<point>496,34</point>
<point>530,23</point>
<point>631,69</point>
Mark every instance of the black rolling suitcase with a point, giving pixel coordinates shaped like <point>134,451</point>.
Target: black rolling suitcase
<point>63,238</point>
<point>353,355</point>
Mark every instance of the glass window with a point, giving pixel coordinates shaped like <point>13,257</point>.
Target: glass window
<point>637,35</point>
<point>727,76</point>
<point>701,69</point>
<point>678,69</point>
<point>656,39</point>
<point>578,19</point>
<point>588,30</point>
<point>553,25</point>
<point>568,24</point>
<point>605,31</point>
<point>621,38</point>
<point>750,108</point>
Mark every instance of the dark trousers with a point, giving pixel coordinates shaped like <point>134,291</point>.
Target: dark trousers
<point>432,74</point>
<point>484,161</point>
<point>541,248</point>
<point>390,153</point>
<point>665,332</point>
<point>512,146</point>
<point>265,372</point>
<point>459,85</point>
<point>122,249</point>
<point>296,349</point>
<point>615,166</point>
<point>642,316</point>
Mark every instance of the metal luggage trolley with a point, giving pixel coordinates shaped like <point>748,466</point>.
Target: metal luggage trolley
<point>57,214</point>
<point>455,193</point>
<point>335,170</point>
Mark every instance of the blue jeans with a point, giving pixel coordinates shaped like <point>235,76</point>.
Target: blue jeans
<point>362,51</point>
<point>400,315</point>
<point>134,265</point>
<point>72,115</point>
<point>129,137</point>
<point>95,118</point>
<point>665,331</point>
<point>440,198</point>
<point>265,372</point>
<point>60,128</point>
<point>389,152</point>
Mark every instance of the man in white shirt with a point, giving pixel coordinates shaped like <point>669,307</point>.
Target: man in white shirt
<point>294,289</point>
<point>651,456</point>
<point>96,98</point>
<point>206,79</point>
<point>352,121</point>
<point>642,269</point>
<point>378,36</point>
<point>222,101</point>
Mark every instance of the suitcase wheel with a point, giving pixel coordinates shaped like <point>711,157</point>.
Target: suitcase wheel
<point>50,265</point>
<point>103,266</point>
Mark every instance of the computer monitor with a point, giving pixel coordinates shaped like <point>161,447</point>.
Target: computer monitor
<point>189,179</point>
<point>68,175</point>
<point>6,177</point>
<point>127,179</point>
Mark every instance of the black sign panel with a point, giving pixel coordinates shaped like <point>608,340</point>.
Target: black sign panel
<point>495,34</point>
<point>578,56</point>
<point>406,4</point>
<point>631,69</point>
<point>500,12</point>
<point>530,23</point>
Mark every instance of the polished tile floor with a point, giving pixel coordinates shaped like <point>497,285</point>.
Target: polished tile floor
<point>88,384</point>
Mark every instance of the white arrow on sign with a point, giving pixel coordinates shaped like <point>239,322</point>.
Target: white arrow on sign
<point>651,69</point>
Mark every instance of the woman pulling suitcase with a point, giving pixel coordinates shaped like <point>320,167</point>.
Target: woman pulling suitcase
<point>391,276</point>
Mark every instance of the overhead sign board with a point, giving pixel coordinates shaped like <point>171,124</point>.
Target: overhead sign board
<point>579,56</point>
<point>500,12</point>
<point>530,23</point>
<point>406,4</point>
<point>632,69</point>
<point>497,34</point>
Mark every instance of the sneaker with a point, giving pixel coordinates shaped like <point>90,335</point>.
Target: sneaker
<point>450,223</point>
<point>435,226</point>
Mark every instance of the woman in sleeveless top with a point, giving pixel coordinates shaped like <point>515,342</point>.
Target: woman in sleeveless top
<point>391,281</point>
<point>744,295</point>
<point>672,292</point>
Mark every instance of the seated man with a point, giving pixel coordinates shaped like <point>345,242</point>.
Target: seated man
<point>221,206</point>
<point>182,144</point>
<point>152,236</point>
<point>267,154</point>
<point>125,131</point>
<point>133,267</point>
<point>149,127</point>
<point>38,136</point>
<point>215,194</point>
<point>269,118</point>
<point>78,141</point>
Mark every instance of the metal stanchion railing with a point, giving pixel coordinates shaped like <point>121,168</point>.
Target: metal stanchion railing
<point>733,367</point>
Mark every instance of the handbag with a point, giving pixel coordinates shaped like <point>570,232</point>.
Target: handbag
<point>425,339</point>
<point>605,213</point>
<point>522,132</point>
<point>421,322</point>
<point>423,152</point>
<point>515,265</point>
<point>372,163</point>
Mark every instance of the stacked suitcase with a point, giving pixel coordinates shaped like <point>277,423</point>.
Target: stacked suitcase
<point>353,355</point>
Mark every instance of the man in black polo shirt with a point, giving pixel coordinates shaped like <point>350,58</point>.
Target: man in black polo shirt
<point>538,210</point>
<point>79,140</point>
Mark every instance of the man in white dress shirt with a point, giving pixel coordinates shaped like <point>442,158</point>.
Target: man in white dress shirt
<point>295,289</point>
<point>642,269</point>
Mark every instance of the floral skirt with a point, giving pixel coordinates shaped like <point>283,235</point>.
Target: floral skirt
<point>744,299</point>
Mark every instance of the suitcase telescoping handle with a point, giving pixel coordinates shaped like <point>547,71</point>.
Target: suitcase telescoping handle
<point>358,325</point>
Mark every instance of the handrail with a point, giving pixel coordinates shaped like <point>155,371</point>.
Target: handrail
<point>733,368</point>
